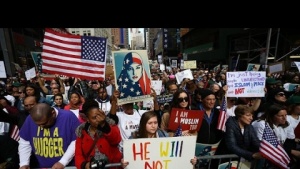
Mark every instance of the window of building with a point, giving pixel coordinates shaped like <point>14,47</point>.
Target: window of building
<point>86,32</point>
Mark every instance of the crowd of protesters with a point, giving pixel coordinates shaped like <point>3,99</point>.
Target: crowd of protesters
<point>75,122</point>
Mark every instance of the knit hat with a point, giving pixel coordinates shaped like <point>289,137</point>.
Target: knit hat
<point>205,93</point>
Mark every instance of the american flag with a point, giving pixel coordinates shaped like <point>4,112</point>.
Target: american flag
<point>222,116</point>
<point>178,131</point>
<point>15,133</point>
<point>73,55</point>
<point>272,150</point>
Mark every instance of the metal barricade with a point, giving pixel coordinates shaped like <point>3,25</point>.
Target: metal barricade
<point>106,166</point>
<point>230,157</point>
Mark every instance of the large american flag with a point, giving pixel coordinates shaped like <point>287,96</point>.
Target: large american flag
<point>73,55</point>
<point>272,150</point>
<point>222,116</point>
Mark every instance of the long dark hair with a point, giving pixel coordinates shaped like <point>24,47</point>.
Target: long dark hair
<point>175,103</point>
<point>273,110</point>
<point>36,90</point>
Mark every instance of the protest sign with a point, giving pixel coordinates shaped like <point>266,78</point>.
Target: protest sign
<point>165,98</point>
<point>157,86</point>
<point>37,59</point>
<point>164,152</point>
<point>253,67</point>
<point>30,73</point>
<point>2,70</point>
<point>276,67</point>
<point>132,75</point>
<point>188,119</point>
<point>205,150</point>
<point>184,74</point>
<point>246,84</point>
<point>191,64</point>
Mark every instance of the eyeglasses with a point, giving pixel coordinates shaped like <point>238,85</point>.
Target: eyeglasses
<point>181,99</point>
<point>281,94</point>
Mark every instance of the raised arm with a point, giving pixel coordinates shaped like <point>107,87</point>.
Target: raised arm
<point>42,84</point>
<point>61,84</point>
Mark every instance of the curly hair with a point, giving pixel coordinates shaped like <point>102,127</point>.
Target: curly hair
<point>88,105</point>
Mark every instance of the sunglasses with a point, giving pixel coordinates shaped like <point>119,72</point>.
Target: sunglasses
<point>181,99</point>
<point>281,94</point>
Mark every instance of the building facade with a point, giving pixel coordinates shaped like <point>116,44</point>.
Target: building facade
<point>17,45</point>
<point>119,38</point>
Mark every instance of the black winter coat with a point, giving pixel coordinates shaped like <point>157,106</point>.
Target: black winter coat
<point>208,133</point>
<point>243,145</point>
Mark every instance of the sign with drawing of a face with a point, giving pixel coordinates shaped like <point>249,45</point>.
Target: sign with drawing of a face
<point>132,75</point>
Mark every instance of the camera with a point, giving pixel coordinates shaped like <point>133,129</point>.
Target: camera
<point>98,163</point>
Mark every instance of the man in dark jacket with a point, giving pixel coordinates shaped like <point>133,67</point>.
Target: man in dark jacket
<point>208,132</point>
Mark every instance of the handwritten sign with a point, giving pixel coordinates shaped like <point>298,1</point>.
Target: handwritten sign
<point>184,74</point>
<point>2,70</point>
<point>246,84</point>
<point>30,73</point>
<point>156,85</point>
<point>191,64</point>
<point>189,119</point>
<point>160,153</point>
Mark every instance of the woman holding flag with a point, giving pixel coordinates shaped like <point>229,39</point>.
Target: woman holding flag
<point>273,129</point>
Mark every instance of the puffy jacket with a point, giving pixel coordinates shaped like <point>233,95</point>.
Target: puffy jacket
<point>243,145</point>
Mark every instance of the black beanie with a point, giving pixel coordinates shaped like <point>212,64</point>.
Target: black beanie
<point>205,93</point>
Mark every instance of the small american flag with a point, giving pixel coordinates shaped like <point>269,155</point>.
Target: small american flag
<point>178,131</point>
<point>74,55</point>
<point>272,150</point>
<point>14,134</point>
<point>222,116</point>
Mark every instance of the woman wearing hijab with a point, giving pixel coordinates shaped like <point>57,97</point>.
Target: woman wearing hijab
<point>133,80</point>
